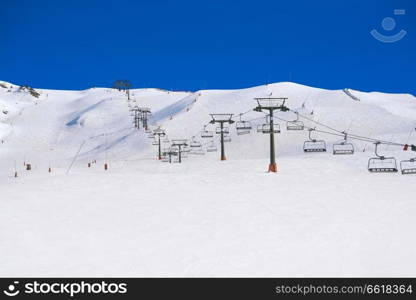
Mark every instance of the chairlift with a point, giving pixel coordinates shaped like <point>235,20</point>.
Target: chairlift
<point>243,127</point>
<point>295,124</point>
<point>165,155</point>
<point>151,136</point>
<point>155,143</point>
<point>194,143</point>
<point>343,147</point>
<point>260,128</point>
<point>265,128</point>
<point>185,149</point>
<point>381,164</point>
<point>197,151</point>
<point>225,130</point>
<point>314,145</point>
<point>211,147</point>
<point>408,166</point>
<point>184,153</point>
<point>227,138</point>
<point>206,133</point>
<point>243,131</point>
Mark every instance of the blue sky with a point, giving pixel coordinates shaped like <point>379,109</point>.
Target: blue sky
<point>191,45</point>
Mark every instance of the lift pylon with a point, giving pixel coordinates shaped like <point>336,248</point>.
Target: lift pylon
<point>271,104</point>
<point>159,132</point>
<point>222,119</point>
<point>179,144</point>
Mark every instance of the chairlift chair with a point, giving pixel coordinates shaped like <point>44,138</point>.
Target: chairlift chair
<point>260,128</point>
<point>227,138</point>
<point>194,143</point>
<point>151,136</point>
<point>314,145</point>
<point>265,128</point>
<point>206,133</point>
<point>225,130</point>
<point>197,151</point>
<point>295,124</point>
<point>408,166</point>
<point>343,147</point>
<point>243,131</point>
<point>155,143</point>
<point>211,147</point>
<point>165,157</point>
<point>243,127</point>
<point>184,153</point>
<point>381,164</point>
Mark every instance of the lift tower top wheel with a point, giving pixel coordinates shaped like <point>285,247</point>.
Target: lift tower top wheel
<point>221,119</point>
<point>271,104</point>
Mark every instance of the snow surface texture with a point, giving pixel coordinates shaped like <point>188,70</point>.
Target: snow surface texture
<point>320,215</point>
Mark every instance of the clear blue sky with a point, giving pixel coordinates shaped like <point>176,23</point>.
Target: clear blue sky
<point>190,45</point>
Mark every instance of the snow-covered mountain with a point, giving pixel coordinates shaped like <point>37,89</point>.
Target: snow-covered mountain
<point>320,215</point>
<point>56,123</point>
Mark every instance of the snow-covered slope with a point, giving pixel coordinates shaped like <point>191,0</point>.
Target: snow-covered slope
<point>54,126</point>
<point>321,215</point>
<point>58,122</point>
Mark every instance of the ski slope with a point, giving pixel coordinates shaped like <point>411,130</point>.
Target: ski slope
<point>320,215</point>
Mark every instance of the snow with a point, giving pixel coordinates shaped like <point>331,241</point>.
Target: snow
<point>320,215</point>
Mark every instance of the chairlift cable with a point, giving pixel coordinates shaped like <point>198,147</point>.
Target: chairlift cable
<point>351,136</point>
<point>337,132</point>
<point>349,126</point>
<point>317,122</point>
<point>241,114</point>
<point>355,135</point>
